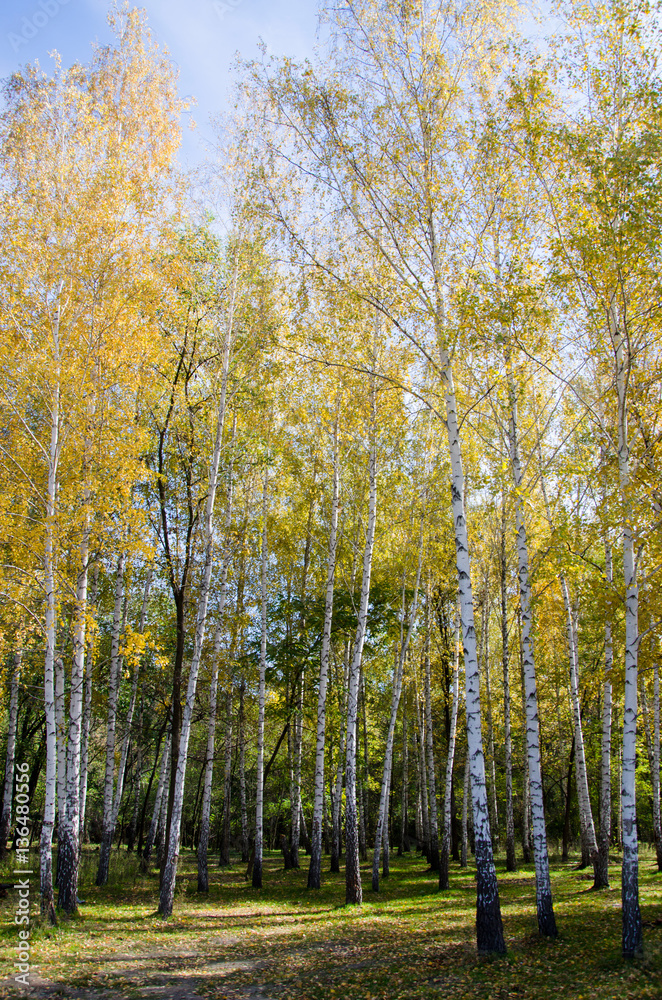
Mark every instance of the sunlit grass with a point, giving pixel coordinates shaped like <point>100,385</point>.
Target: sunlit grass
<point>407,941</point>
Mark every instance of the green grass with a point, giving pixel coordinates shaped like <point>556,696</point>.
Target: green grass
<point>283,941</point>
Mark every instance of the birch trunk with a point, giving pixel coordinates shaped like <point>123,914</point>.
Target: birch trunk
<point>605,775</point>
<point>485,666</point>
<point>423,771</point>
<point>203,841</point>
<point>61,785</point>
<point>489,928</point>
<point>296,777</point>
<point>315,867</point>
<point>259,800</point>
<point>546,921</point>
<point>137,775</point>
<point>69,835</point>
<point>589,840</point>
<point>382,812</point>
<point>87,713</point>
<point>404,802</point>
<point>158,802</point>
<point>113,691</point>
<point>336,790</point>
<point>167,892</point>
<point>353,889</point>
<point>224,855</point>
<point>450,760</point>
<point>8,789</point>
<point>632,931</point>
<point>46,839</point>
<point>245,851</point>
<point>511,863</point>
<point>434,825</point>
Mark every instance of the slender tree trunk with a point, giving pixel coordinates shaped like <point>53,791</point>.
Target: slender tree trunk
<point>450,760</point>
<point>336,788</point>
<point>46,840</point>
<point>113,691</point>
<point>546,921</point>
<point>489,928</point>
<point>382,812</point>
<point>605,776</point>
<point>423,771</point>
<point>632,931</point>
<point>296,777</point>
<point>365,784</point>
<point>60,722</point>
<point>511,862</point>
<point>485,667</point>
<point>158,804</point>
<point>404,807</point>
<point>87,713</point>
<point>5,819</point>
<point>568,800</point>
<point>434,826</point>
<point>167,891</point>
<point>138,775</point>
<point>245,847</point>
<point>259,801</point>
<point>227,778</point>
<point>315,868</point>
<point>589,840</point>
<point>203,842</point>
<point>69,835</point>
<point>353,889</point>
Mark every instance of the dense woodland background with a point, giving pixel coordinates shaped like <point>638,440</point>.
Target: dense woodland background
<point>242,448</point>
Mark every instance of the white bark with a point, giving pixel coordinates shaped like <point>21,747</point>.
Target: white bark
<point>167,892</point>
<point>259,798</point>
<point>444,855</point>
<point>87,712</point>
<point>203,842</point>
<point>507,736</point>
<point>382,812</point>
<point>158,802</point>
<point>485,667</point>
<point>113,692</point>
<point>434,824</point>
<point>589,840</point>
<point>315,868</point>
<point>69,834</point>
<point>60,723</point>
<point>632,930</point>
<point>46,840</point>
<point>546,921</point>
<point>489,928</point>
<point>353,888</point>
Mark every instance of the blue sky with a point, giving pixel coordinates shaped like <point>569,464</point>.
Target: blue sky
<point>202,37</point>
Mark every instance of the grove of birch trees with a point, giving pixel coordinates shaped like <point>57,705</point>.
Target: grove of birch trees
<point>331,522</point>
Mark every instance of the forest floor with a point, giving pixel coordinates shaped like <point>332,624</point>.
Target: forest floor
<point>284,942</point>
